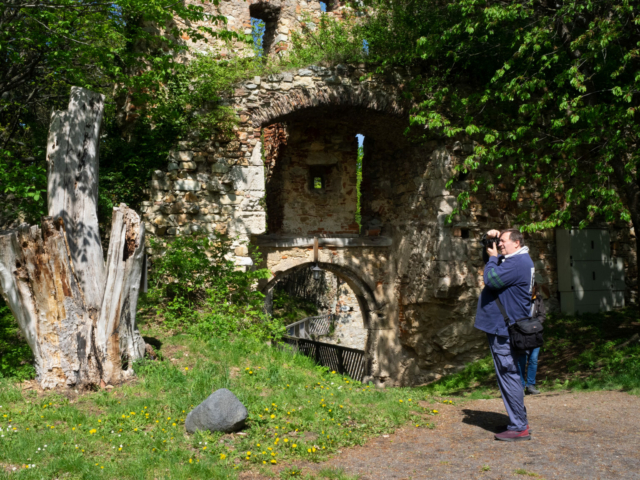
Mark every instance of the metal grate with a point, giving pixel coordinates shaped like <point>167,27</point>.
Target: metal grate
<point>336,357</point>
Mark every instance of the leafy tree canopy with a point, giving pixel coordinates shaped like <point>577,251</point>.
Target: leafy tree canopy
<point>46,46</point>
<point>549,90</point>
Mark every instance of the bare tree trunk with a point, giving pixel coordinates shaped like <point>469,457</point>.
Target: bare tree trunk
<point>43,293</point>
<point>72,187</point>
<point>77,313</point>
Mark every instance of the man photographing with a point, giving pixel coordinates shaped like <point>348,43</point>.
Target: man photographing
<point>509,278</point>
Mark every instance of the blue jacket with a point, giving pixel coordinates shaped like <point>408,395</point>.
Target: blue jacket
<point>511,278</point>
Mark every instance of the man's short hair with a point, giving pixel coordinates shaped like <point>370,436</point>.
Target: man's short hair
<point>515,235</point>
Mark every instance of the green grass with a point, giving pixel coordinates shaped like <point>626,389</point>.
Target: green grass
<point>298,411</point>
<point>584,352</point>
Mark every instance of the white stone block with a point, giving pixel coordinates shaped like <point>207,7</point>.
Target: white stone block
<point>187,185</point>
<point>231,199</point>
<point>247,178</point>
<point>256,156</point>
<point>249,223</point>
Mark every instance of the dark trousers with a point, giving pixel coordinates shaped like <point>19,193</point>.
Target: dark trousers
<point>509,381</point>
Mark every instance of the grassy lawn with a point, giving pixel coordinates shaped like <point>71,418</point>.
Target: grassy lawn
<point>297,412</point>
<point>599,351</point>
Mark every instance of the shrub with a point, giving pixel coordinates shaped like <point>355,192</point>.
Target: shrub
<point>16,359</point>
<point>197,288</point>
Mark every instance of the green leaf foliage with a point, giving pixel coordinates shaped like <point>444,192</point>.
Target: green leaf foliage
<point>197,289</point>
<point>547,90</point>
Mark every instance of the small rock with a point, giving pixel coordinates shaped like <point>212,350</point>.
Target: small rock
<point>220,412</point>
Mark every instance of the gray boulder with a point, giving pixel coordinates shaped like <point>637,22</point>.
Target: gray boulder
<point>220,412</point>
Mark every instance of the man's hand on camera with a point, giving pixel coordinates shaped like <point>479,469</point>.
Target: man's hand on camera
<point>493,252</point>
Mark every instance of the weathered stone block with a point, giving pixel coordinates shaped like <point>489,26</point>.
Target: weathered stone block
<point>219,168</point>
<point>161,184</point>
<point>182,156</point>
<point>241,251</point>
<point>188,165</point>
<point>247,178</point>
<point>230,199</point>
<point>185,185</point>
<point>256,156</point>
<point>215,185</point>
<point>251,224</point>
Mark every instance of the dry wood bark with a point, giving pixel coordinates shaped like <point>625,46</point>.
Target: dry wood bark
<point>72,186</point>
<point>77,313</point>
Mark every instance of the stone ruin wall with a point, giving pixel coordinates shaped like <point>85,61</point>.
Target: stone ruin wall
<point>420,290</point>
<point>349,328</point>
<point>281,17</point>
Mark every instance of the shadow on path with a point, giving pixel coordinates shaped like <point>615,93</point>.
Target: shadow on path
<point>489,421</point>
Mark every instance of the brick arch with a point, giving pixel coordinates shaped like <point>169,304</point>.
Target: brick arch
<point>264,100</point>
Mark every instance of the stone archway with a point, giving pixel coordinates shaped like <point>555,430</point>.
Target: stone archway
<point>366,299</point>
<point>369,306</point>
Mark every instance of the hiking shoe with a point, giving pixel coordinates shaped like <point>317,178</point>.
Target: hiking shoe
<point>531,390</point>
<point>504,428</point>
<point>513,436</point>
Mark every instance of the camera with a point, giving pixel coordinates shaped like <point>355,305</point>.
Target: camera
<point>486,243</point>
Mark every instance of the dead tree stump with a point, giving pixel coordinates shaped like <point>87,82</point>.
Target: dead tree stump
<point>76,311</point>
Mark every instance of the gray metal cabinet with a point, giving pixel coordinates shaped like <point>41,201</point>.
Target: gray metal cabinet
<point>589,280</point>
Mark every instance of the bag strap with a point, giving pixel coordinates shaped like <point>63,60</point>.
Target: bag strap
<point>501,307</point>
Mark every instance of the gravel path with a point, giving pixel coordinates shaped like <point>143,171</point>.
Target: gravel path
<point>587,435</point>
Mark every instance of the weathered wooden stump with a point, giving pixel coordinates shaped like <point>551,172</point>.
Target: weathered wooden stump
<point>76,310</point>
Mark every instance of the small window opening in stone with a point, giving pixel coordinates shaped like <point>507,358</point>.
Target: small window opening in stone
<point>318,179</point>
<point>464,233</point>
<point>267,15</point>
<point>329,5</point>
<point>257,32</point>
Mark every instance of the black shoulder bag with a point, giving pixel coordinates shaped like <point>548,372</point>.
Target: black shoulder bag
<point>525,333</point>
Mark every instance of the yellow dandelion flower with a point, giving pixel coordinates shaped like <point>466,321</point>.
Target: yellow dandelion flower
<point>273,460</point>
<point>222,456</point>
<point>92,431</point>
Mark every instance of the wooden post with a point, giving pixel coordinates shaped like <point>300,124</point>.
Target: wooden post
<point>77,314</point>
<point>340,361</point>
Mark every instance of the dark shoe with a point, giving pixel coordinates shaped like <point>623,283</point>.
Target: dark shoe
<point>513,436</point>
<point>531,390</point>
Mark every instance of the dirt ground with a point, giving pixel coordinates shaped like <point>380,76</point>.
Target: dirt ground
<point>587,435</point>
